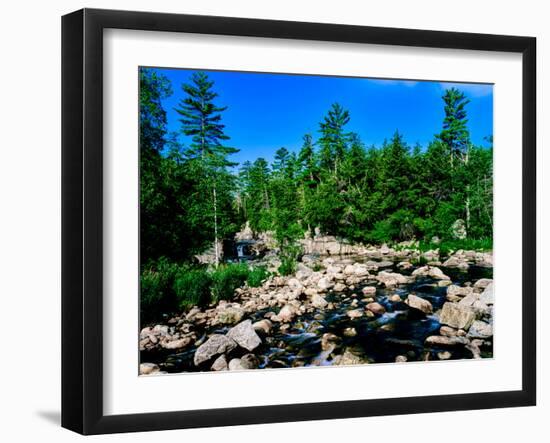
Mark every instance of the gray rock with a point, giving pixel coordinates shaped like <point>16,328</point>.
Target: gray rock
<point>456,316</point>
<point>390,279</point>
<point>480,329</point>
<point>488,296</point>
<point>230,316</point>
<point>430,271</point>
<point>419,303</point>
<point>248,361</point>
<point>217,344</point>
<point>324,284</point>
<point>245,336</point>
<point>318,301</point>
<point>285,315</point>
<point>220,364</point>
<point>482,283</point>
<point>376,308</point>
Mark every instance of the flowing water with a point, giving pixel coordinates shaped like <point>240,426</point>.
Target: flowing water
<point>400,331</point>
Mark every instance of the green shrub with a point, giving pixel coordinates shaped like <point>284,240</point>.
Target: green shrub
<point>257,276</point>
<point>156,293</point>
<point>192,287</point>
<point>289,259</point>
<point>227,278</point>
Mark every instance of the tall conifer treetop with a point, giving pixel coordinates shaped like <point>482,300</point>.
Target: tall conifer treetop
<point>201,119</point>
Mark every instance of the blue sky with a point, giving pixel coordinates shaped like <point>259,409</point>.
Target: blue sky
<point>269,111</point>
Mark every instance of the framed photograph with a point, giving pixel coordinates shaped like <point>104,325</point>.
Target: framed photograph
<point>269,221</point>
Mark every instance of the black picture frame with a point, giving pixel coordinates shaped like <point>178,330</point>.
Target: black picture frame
<point>82,220</point>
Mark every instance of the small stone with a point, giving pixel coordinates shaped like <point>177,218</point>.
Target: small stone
<point>482,283</point>
<point>230,316</point>
<point>350,332</point>
<point>354,313</point>
<point>339,287</point>
<point>220,364</point>
<point>400,359</point>
<point>419,304</point>
<point>395,298</point>
<point>488,296</point>
<point>480,329</point>
<point>177,344</point>
<point>148,368</point>
<point>444,355</point>
<point>376,308</point>
<point>330,341</point>
<point>285,315</point>
<point>318,301</point>
<point>369,290</point>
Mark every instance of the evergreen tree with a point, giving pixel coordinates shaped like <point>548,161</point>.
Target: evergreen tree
<point>201,119</point>
<point>334,139</point>
<point>455,134</point>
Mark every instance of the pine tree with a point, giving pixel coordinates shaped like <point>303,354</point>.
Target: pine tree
<point>201,119</point>
<point>306,158</point>
<point>334,139</point>
<point>456,137</point>
<point>455,132</point>
<point>281,160</point>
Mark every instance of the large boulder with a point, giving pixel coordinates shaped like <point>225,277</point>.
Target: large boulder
<point>245,336</point>
<point>457,316</point>
<point>217,344</point>
<point>419,303</point>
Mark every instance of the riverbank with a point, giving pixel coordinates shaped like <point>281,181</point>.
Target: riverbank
<point>383,305</point>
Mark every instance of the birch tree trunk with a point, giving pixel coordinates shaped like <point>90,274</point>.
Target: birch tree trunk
<point>216,245</point>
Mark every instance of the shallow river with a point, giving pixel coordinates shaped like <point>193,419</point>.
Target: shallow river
<point>400,331</point>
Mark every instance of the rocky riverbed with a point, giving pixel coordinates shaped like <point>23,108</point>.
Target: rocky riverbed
<point>381,306</point>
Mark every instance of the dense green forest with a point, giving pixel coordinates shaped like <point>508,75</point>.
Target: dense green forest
<point>194,194</point>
